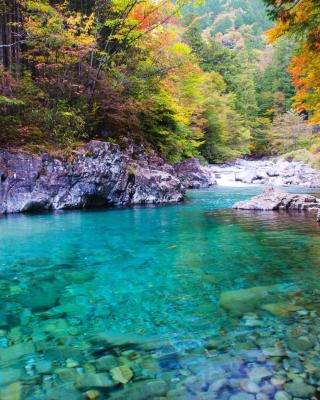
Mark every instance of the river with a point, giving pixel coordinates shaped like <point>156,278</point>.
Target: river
<point>191,301</point>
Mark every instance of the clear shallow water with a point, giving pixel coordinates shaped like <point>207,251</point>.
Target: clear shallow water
<point>150,281</point>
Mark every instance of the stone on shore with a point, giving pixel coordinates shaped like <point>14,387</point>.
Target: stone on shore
<point>194,175</point>
<point>274,199</point>
<point>273,171</point>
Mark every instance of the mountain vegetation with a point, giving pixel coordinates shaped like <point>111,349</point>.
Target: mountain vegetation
<point>184,78</point>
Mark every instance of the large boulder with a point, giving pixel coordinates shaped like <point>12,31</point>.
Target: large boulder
<point>275,199</point>
<point>100,174</point>
<point>194,175</point>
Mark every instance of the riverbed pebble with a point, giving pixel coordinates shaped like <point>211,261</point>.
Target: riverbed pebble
<point>299,389</point>
<point>257,374</point>
<point>282,395</point>
<point>122,374</point>
<point>66,351</point>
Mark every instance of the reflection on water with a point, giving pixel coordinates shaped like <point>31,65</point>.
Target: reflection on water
<point>195,301</point>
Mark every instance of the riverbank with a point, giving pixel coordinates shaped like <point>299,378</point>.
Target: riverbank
<point>101,174</point>
<point>277,172</point>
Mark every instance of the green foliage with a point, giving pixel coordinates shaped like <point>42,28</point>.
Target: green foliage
<point>6,101</point>
<point>225,135</point>
<point>32,117</point>
<point>261,137</point>
<point>223,25</point>
<point>230,115</point>
<point>246,17</point>
<point>108,69</point>
<point>273,84</point>
<point>65,124</point>
<point>289,132</point>
<point>305,156</point>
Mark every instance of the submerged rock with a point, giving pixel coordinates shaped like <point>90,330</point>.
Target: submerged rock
<point>249,386</point>
<point>92,380</point>
<point>100,174</point>
<point>122,374</point>
<point>40,298</point>
<point>61,392</point>
<point>300,389</point>
<point>9,375</point>
<point>44,366</point>
<point>12,392</point>
<point>274,199</point>
<point>280,309</point>
<point>144,390</point>
<point>274,351</point>
<point>258,374</point>
<point>239,302</point>
<point>242,396</point>
<point>282,395</point>
<point>301,344</point>
<point>92,394</point>
<point>15,352</point>
<point>106,363</point>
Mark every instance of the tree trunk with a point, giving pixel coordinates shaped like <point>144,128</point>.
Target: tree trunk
<point>10,35</point>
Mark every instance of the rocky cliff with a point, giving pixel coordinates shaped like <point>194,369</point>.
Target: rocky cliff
<point>99,175</point>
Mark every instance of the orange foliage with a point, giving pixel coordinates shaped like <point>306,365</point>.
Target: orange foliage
<point>301,20</point>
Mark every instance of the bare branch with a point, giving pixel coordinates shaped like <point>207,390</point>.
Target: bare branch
<point>11,44</point>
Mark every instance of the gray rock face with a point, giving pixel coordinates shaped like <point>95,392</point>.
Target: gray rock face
<point>246,176</point>
<point>194,175</point>
<point>100,174</point>
<point>274,199</point>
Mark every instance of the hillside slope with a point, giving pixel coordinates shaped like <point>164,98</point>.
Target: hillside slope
<point>234,23</point>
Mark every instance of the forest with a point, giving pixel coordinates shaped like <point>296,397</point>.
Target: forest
<point>215,80</point>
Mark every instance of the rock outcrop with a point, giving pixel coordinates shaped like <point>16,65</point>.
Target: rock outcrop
<point>275,199</point>
<point>100,174</point>
<point>195,176</point>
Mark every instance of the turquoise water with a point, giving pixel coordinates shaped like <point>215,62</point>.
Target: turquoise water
<point>149,281</point>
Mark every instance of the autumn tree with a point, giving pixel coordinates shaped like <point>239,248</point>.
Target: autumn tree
<point>301,20</point>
